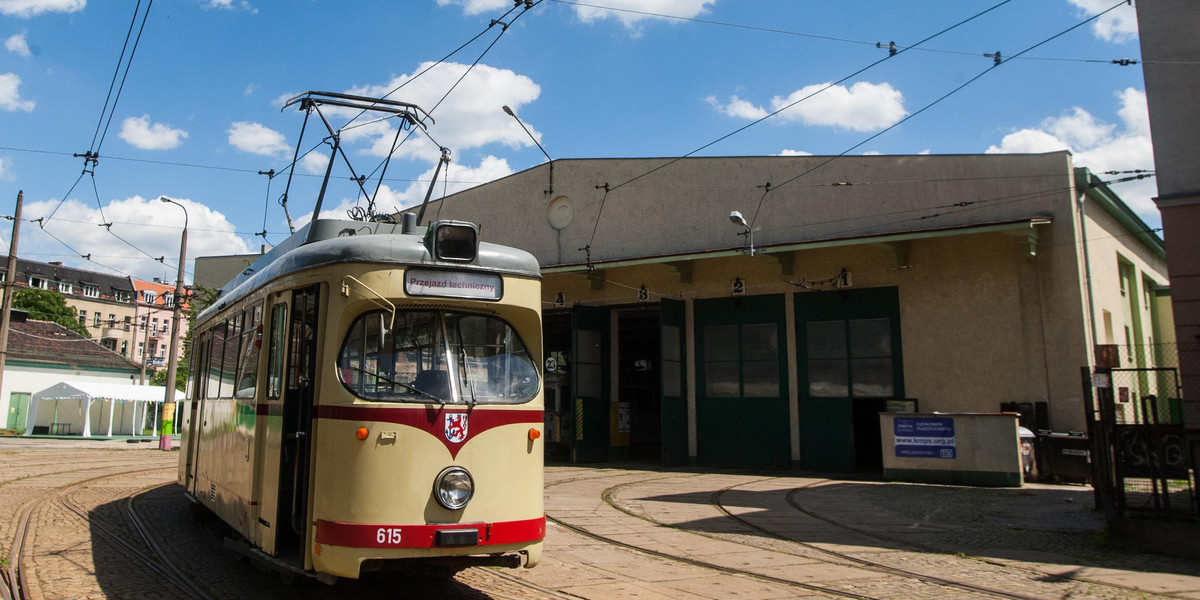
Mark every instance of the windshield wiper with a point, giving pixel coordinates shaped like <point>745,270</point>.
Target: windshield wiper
<point>466,380</point>
<point>407,386</point>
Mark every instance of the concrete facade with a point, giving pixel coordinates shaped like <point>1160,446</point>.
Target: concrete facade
<point>1170,51</point>
<point>1005,271</point>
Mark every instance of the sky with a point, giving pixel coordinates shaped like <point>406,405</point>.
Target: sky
<point>185,99</point>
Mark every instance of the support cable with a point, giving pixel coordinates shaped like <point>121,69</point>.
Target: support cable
<point>997,62</point>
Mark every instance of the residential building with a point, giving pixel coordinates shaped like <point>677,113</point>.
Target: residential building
<point>41,354</point>
<point>105,303</point>
<point>156,306</point>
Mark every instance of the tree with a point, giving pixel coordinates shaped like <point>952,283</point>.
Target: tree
<point>45,305</point>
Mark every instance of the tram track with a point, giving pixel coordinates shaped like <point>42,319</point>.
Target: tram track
<point>949,584</point>
<point>20,586</point>
<point>607,498</point>
<point>1032,573</point>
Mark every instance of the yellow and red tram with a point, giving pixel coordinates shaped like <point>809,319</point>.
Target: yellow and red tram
<point>367,396</point>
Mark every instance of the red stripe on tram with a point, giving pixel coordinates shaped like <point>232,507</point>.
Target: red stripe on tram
<point>358,535</point>
<point>433,419</point>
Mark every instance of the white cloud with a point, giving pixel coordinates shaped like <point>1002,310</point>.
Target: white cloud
<point>861,107</point>
<point>140,133</point>
<point>795,153</point>
<point>5,169</point>
<point>738,108</point>
<point>229,5</point>
<point>31,8</point>
<point>475,7</point>
<point>1119,25</point>
<point>10,97</point>
<point>147,224</point>
<point>17,44</point>
<point>256,138</point>
<point>314,163</point>
<point>629,12</point>
<point>632,12</point>
<point>1099,146</point>
<point>469,118</point>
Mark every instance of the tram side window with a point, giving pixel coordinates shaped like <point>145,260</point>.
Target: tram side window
<point>216,351</point>
<point>229,360</point>
<point>251,343</point>
<point>275,356</point>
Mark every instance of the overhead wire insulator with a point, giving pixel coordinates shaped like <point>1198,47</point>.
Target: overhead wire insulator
<point>996,58</point>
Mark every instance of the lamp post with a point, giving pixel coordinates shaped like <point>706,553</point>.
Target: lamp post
<point>164,442</point>
<point>510,113</point>
<point>736,218</point>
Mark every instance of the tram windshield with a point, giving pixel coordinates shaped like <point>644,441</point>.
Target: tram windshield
<point>436,356</point>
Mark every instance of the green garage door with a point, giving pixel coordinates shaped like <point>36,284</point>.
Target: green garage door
<point>849,367</point>
<point>741,381</point>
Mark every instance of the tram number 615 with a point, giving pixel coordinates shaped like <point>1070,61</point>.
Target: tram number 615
<point>388,535</point>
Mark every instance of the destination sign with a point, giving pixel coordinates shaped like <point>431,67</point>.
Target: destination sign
<point>453,284</point>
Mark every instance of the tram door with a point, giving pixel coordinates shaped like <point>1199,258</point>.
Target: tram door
<point>296,445</point>
<point>195,410</point>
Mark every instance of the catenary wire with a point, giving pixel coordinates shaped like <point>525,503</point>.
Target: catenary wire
<point>935,102</point>
<point>788,106</point>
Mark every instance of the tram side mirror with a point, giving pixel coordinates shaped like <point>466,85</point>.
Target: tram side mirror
<point>453,241</point>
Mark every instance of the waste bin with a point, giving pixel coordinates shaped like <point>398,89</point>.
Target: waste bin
<point>1029,457</point>
<point>1066,457</point>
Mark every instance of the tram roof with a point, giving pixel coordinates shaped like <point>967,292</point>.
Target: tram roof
<point>330,241</point>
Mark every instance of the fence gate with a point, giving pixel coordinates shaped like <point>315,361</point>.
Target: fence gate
<point>1143,463</point>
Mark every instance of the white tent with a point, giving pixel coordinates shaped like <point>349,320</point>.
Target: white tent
<point>70,407</point>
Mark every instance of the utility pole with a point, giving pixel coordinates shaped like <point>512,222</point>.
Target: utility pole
<point>169,394</point>
<point>6,305</point>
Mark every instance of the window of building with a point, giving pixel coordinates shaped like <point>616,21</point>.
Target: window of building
<point>83,317</point>
<point>38,282</point>
<point>169,300</point>
<point>91,291</point>
<point>141,350</point>
<point>166,325</point>
<point>96,320</point>
<point>154,324</point>
<point>148,296</point>
<point>112,320</point>
<point>142,322</point>
<point>850,358</point>
<point>64,287</point>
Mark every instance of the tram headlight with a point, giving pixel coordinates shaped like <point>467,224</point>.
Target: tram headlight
<point>454,488</point>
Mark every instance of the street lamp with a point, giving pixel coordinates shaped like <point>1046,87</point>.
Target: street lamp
<point>169,394</point>
<point>736,218</point>
<point>510,113</point>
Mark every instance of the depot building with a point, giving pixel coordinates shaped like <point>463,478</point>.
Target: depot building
<point>763,311</point>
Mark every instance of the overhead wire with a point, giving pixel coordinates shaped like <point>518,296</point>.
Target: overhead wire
<point>998,62</point>
<point>873,64</point>
<point>774,30</point>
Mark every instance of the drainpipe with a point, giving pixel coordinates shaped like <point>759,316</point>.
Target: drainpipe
<point>1087,274</point>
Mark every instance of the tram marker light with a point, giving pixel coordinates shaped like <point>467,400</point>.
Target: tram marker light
<point>362,433</point>
<point>534,434</point>
<point>453,241</point>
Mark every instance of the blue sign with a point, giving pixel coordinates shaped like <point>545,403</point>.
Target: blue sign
<point>924,437</point>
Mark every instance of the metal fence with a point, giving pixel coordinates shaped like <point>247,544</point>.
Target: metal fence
<point>1144,464</point>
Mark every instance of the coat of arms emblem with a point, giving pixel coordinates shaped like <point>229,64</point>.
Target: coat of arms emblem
<point>456,427</point>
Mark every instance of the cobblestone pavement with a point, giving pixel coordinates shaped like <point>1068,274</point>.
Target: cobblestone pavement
<point>746,535</point>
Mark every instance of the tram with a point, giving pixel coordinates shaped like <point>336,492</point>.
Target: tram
<point>367,397</point>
